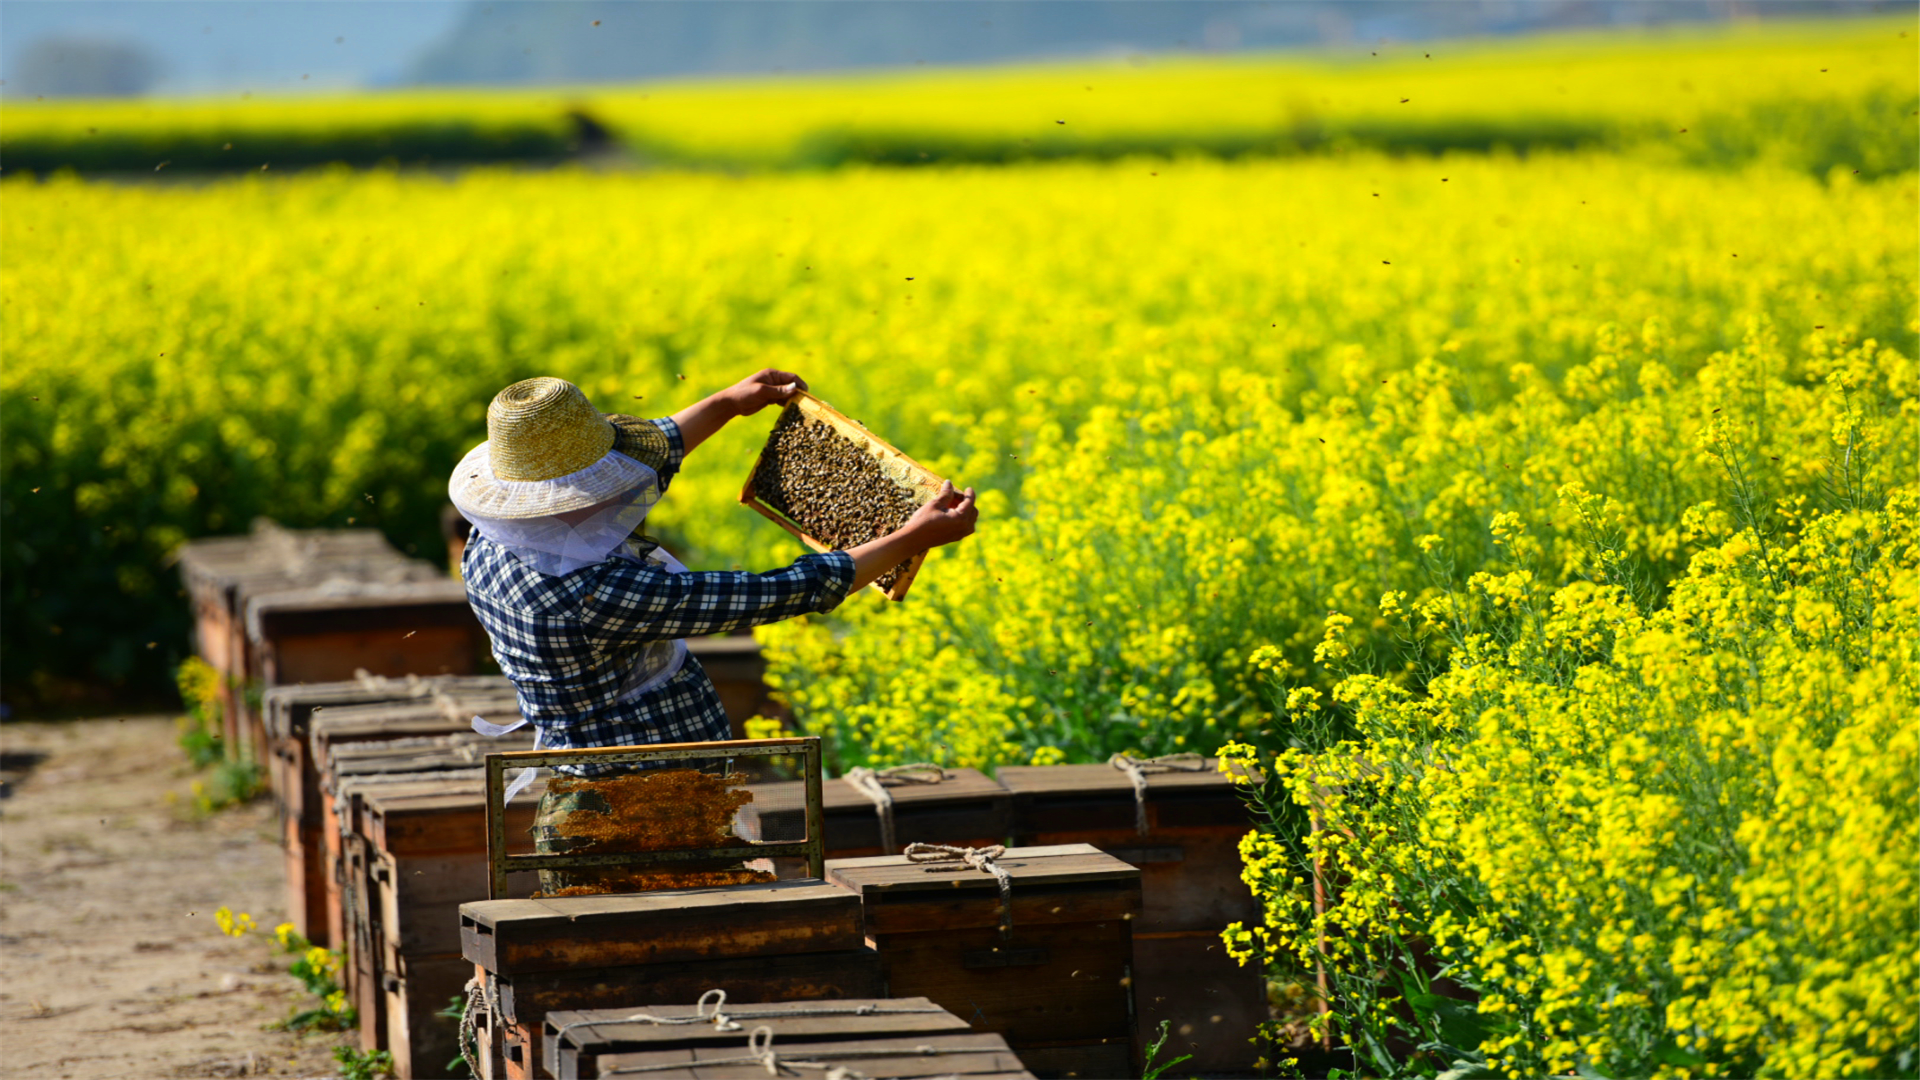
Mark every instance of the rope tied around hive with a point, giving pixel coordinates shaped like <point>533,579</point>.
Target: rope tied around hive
<point>981,859</point>
<point>760,1052</point>
<point>711,1009</point>
<point>480,1001</point>
<point>873,784</point>
<point>1138,768</point>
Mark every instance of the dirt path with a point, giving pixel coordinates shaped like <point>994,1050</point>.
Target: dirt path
<point>111,963</point>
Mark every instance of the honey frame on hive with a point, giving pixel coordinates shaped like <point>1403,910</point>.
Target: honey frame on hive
<point>500,862</point>
<point>897,466</point>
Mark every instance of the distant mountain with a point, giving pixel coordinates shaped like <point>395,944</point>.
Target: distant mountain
<point>50,47</point>
<point>174,47</point>
<point>560,41</point>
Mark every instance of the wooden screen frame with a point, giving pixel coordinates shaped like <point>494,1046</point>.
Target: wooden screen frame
<point>903,468</point>
<point>500,863</point>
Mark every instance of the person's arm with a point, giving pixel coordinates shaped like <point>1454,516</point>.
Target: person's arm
<point>766,387</point>
<point>637,602</point>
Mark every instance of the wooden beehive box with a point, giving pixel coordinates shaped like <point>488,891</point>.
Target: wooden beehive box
<point>965,807</point>
<point>381,901</point>
<point>1189,856</point>
<point>772,484</point>
<point>327,632</point>
<point>354,769</point>
<point>783,940</point>
<point>425,854</point>
<point>295,774</point>
<point>1190,887</point>
<point>384,739</point>
<point>223,574</point>
<point>574,1041</point>
<point>1057,986</point>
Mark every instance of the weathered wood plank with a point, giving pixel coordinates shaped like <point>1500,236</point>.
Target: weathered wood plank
<point>571,1039</point>
<point>513,936</point>
<point>1213,1007</point>
<point>414,989</point>
<point>1070,798</point>
<point>526,999</point>
<point>420,820</point>
<point>1062,884</point>
<point>1045,984</point>
<point>883,1058</point>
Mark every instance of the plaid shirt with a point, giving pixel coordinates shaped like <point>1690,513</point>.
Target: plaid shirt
<point>568,642</point>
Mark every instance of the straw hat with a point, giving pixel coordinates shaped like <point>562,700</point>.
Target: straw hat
<point>548,451</point>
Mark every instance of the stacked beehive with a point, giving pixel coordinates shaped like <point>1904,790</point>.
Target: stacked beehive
<point>294,777</point>
<point>778,941</point>
<point>1180,822</point>
<point>420,852</point>
<point>410,759</point>
<point>278,606</point>
<point>876,1038</point>
<point>375,738</point>
<point>1033,944</point>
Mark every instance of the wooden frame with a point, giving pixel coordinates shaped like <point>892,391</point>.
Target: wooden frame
<point>500,863</point>
<point>895,464</point>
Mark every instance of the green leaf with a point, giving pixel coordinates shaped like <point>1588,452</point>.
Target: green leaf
<point>1669,1053</point>
<point>1458,1022</point>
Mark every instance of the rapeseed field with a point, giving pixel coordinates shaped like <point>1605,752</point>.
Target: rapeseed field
<point>315,348</point>
<point>1536,530</point>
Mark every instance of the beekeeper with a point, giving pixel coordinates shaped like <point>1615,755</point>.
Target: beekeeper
<point>586,613</point>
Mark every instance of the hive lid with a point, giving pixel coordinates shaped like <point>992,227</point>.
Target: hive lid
<point>228,569</point>
<point>362,721</point>
<point>289,708</point>
<point>465,751</point>
<point>347,603</point>
<point>982,1056</point>
<point>1095,798</point>
<point>965,804</point>
<point>585,1033</point>
<point>1057,884</point>
<point>774,918</point>
<point>442,811</point>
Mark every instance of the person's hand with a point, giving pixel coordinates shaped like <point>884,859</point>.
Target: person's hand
<point>950,516</point>
<point>768,386</point>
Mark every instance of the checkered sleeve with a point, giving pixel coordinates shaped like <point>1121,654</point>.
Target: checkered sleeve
<point>656,443</point>
<point>634,602</point>
<point>676,450</point>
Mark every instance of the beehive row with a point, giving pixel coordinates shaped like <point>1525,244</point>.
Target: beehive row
<point>279,607</point>
<point>1052,987</point>
<point>379,785</point>
<point>340,664</point>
